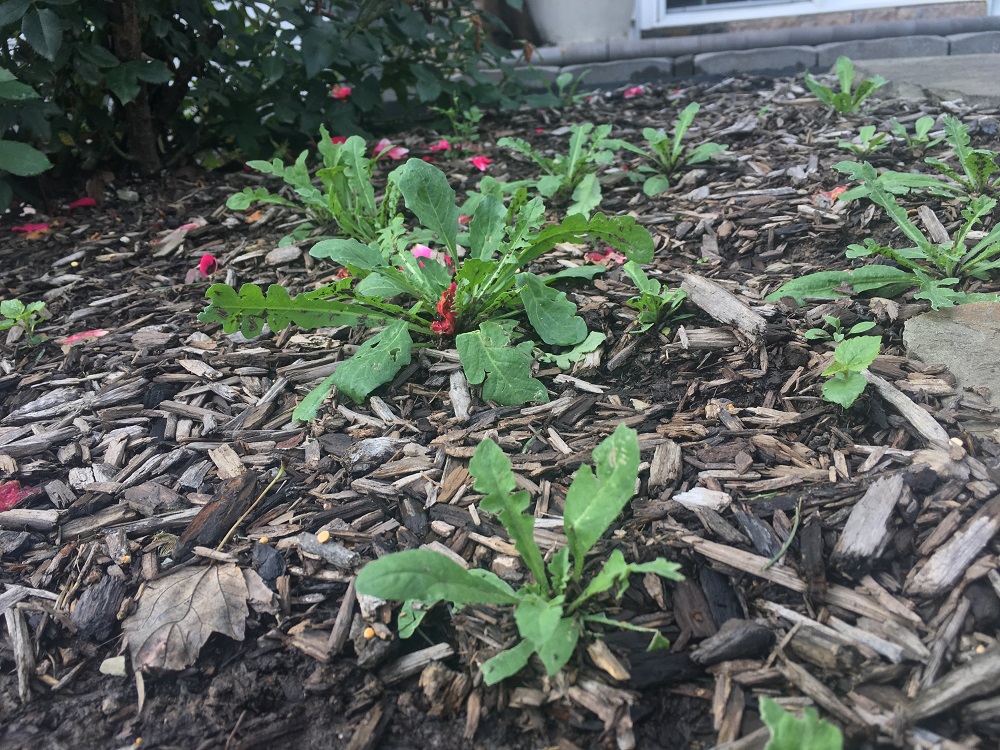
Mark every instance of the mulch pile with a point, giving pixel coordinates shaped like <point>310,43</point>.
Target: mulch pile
<point>842,559</point>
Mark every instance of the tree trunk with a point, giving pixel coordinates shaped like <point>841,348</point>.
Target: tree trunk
<point>127,38</point>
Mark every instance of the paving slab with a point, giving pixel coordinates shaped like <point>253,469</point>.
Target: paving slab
<point>972,78</point>
<point>900,46</point>
<point>765,60</point>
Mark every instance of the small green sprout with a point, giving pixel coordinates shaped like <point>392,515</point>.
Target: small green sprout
<point>845,101</point>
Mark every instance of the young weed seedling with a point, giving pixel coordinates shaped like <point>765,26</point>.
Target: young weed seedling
<point>473,299</point>
<point>669,154</point>
<point>788,732</point>
<point>654,302</point>
<point>867,141</point>
<point>346,200</point>
<point>14,313</point>
<point>549,612</point>
<point>573,175</point>
<point>463,123</point>
<point>920,139</point>
<point>838,333</point>
<point>933,267</point>
<point>850,358</point>
<point>978,164</point>
<point>566,86</point>
<point>845,101</point>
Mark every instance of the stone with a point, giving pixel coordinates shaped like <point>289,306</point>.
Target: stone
<point>974,43</point>
<point>763,60</point>
<point>889,47</point>
<point>639,70</point>
<point>966,339</point>
<point>971,78</point>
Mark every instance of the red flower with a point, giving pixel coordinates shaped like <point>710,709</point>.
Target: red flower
<point>342,273</point>
<point>463,219</point>
<point>385,148</point>
<point>445,308</point>
<point>441,145</point>
<point>338,139</point>
<point>609,257</point>
<point>340,92</point>
<point>82,203</point>
<point>634,92</point>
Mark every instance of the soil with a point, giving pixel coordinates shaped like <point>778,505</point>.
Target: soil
<point>128,433</point>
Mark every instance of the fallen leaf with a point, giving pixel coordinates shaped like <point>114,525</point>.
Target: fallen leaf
<point>82,203</point>
<point>254,217</point>
<point>177,614</point>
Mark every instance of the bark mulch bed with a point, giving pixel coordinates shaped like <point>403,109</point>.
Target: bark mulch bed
<point>882,611</point>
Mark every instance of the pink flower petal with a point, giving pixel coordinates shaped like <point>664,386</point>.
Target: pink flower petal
<point>385,148</point>
<point>25,228</point>
<point>481,162</point>
<point>441,145</point>
<point>208,264</point>
<point>609,257</point>
<point>338,139</point>
<point>340,92</point>
<point>82,203</point>
<point>463,219</point>
<point>82,336</point>
<point>634,92</point>
<point>12,493</point>
<point>421,251</point>
<point>428,159</point>
<point>539,130</point>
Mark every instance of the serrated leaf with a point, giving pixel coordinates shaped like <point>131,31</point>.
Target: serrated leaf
<point>21,159</point>
<point>586,196</point>
<point>594,502</point>
<point>565,360</point>
<point>790,733</point>
<point>550,312</point>
<point>43,31</point>
<point>835,284</point>
<point>553,636</point>
<point>858,352</point>
<point>427,576</point>
<point>487,355</point>
<point>376,362</point>
<point>250,309</point>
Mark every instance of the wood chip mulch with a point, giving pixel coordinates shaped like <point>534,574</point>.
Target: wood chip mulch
<point>882,610</point>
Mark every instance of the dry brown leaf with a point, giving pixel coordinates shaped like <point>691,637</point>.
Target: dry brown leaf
<point>178,613</point>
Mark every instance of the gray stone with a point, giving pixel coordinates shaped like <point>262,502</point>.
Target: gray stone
<point>966,339</point>
<point>765,60</point>
<point>643,70</point>
<point>866,49</point>
<point>969,77</point>
<point>974,43</point>
<point>684,66</point>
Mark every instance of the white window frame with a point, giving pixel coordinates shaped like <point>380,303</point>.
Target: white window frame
<point>652,14</point>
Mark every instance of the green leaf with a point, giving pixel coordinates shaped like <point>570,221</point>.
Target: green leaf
<point>844,388</point>
<point>507,663</point>
<point>350,253</point>
<point>854,354</point>
<point>835,284</point>
<point>124,84</point>
<point>616,571</point>
<point>491,469</point>
<point>565,360</point>
<point>487,355</point>
<point>653,186</point>
<point>550,312</point>
<point>486,230</point>
<point>43,31</point>
<point>411,614</point>
<point>21,159</point>
<point>426,192</point>
<point>423,575</point>
<point>376,362</point>
<point>378,286</point>
<point>12,11</point>
<point>586,196</point>
<point>593,503</point>
<point>309,406</point>
<point>11,308</point>
<point>15,91</point>
<point>790,733</point>
<point>248,311</point>
<point>553,636</point>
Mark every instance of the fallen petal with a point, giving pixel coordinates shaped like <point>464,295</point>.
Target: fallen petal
<point>26,228</point>
<point>82,203</point>
<point>12,493</point>
<point>481,162</point>
<point>76,338</point>
<point>208,264</point>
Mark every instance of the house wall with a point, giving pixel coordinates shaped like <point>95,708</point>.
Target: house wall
<point>971,9</point>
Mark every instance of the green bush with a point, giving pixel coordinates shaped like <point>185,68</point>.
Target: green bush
<point>159,81</point>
